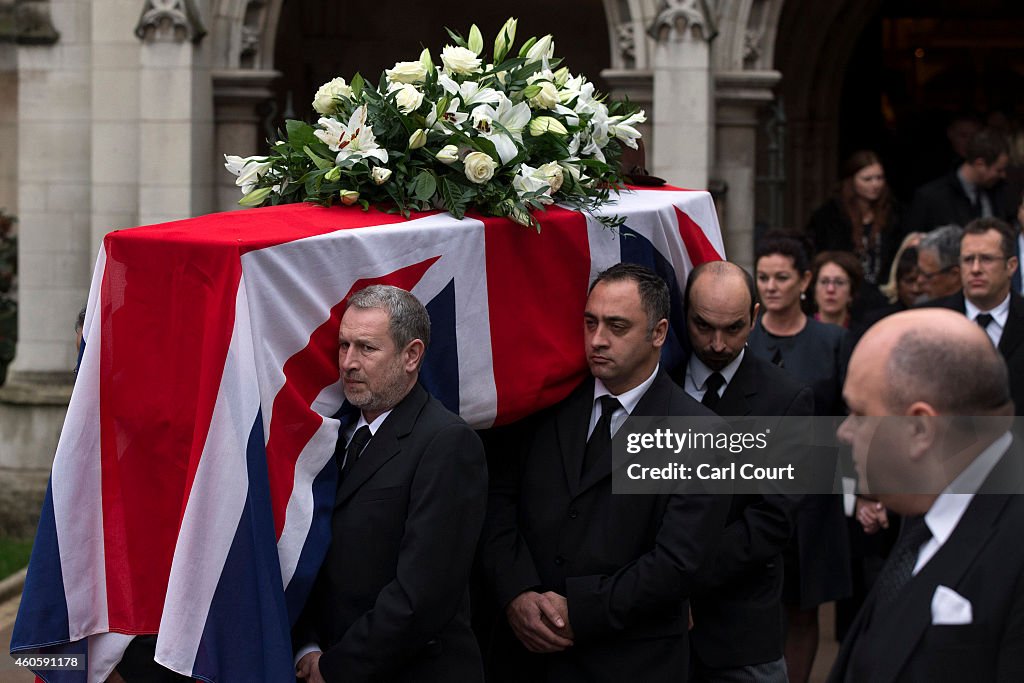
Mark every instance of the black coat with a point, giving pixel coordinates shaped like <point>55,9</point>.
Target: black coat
<point>1011,344</point>
<point>982,561</point>
<point>737,614</point>
<point>830,230</point>
<point>626,563</point>
<point>943,202</point>
<point>391,601</point>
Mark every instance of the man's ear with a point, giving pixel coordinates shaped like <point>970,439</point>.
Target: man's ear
<point>660,333</point>
<point>413,355</point>
<point>926,430</point>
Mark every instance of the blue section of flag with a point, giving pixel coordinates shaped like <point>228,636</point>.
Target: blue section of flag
<point>635,248</point>
<point>247,635</point>
<point>440,373</point>
<point>43,615</point>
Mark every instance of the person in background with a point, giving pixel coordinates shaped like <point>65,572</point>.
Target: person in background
<point>901,288</point>
<point>938,262</point>
<point>972,190</point>
<point>836,282</point>
<point>817,564</point>
<point>862,217</point>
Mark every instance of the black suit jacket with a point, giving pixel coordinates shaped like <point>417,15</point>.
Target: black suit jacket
<point>391,600</point>
<point>943,201</point>
<point>1011,344</point>
<point>737,614</point>
<point>983,561</point>
<point>626,563</point>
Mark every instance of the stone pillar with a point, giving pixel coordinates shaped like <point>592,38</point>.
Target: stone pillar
<point>236,95</point>
<point>8,118</point>
<point>739,96</point>
<point>54,112</point>
<point>175,114</point>
<point>115,113</point>
<point>681,66</point>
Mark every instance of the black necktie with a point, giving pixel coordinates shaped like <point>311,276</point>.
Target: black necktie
<point>712,384</point>
<point>355,447</point>
<point>898,571</point>
<point>984,319</point>
<point>599,444</point>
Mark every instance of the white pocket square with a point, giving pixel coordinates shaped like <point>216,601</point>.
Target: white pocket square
<point>949,608</point>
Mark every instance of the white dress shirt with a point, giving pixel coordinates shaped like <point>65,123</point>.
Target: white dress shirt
<point>945,513</point>
<point>999,315</point>
<point>628,400</point>
<point>697,373</point>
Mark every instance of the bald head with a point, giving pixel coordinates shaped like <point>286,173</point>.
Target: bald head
<point>934,356</point>
<point>720,312</point>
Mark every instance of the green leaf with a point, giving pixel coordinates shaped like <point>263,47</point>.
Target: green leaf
<point>322,164</point>
<point>357,86</point>
<point>300,134</point>
<point>527,45</point>
<point>425,186</point>
<point>456,37</point>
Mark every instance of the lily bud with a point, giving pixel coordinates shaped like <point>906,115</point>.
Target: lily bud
<point>547,124</point>
<point>349,197</point>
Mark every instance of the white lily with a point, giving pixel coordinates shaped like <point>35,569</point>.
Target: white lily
<point>511,120</point>
<point>248,170</point>
<point>353,140</point>
<point>542,50</point>
<point>452,117</point>
<point>622,127</point>
<point>529,180</point>
<point>469,92</point>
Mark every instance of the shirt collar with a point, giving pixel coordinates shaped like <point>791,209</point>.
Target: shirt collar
<point>1000,313</point>
<point>949,507</point>
<point>628,399</point>
<point>375,425</point>
<point>700,372</point>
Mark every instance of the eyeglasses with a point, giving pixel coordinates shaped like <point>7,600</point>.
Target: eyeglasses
<point>984,260</point>
<point>928,276</point>
<point>836,282</point>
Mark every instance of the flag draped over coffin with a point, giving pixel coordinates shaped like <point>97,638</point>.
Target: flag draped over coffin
<point>192,485</point>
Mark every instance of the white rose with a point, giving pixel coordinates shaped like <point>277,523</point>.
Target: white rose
<point>408,98</point>
<point>449,154</point>
<point>480,167</point>
<point>547,97</point>
<point>552,173</point>
<point>324,101</point>
<point>459,60</point>
<point>407,72</point>
<point>349,197</point>
<point>380,174</point>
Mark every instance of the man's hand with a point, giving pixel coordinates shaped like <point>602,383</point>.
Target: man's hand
<point>561,605</point>
<point>309,667</point>
<point>872,516</point>
<point>532,616</point>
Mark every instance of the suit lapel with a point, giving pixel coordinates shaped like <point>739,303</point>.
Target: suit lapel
<point>899,632</point>
<point>385,443</point>
<point>571,430</point>
<point>653,402</point>
<point>735,400</point>
<point>1013,333</point>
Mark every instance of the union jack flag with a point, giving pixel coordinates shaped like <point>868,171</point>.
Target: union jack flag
<point>191,489</point>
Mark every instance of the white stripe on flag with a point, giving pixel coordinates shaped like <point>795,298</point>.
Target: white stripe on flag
<point>215,502</point>
<point>77,486</point>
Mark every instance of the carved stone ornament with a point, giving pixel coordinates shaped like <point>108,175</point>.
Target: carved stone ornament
<point>32,24</point>
<point>170,21</point>
<point>676,19</point>
<point>751,47</point>
<point>626,43</point>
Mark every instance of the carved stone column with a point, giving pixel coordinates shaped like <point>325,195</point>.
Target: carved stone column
<point>739,97</point>
<point>681,59</point>
<point>237,93</point>
<point>175,113</point>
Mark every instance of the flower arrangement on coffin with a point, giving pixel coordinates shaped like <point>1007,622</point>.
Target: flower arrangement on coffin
<point>502,138</point>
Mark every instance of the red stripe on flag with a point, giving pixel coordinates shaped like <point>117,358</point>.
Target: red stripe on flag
<point>167,311</point>
<point>308,373</point>
<point>698,247</point>
<point>536,290</point>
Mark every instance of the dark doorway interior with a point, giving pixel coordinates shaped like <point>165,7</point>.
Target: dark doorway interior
<point>922,65</point>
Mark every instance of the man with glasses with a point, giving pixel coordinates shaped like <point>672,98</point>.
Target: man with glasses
<point>938,262</point>
<point>987,265</point>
